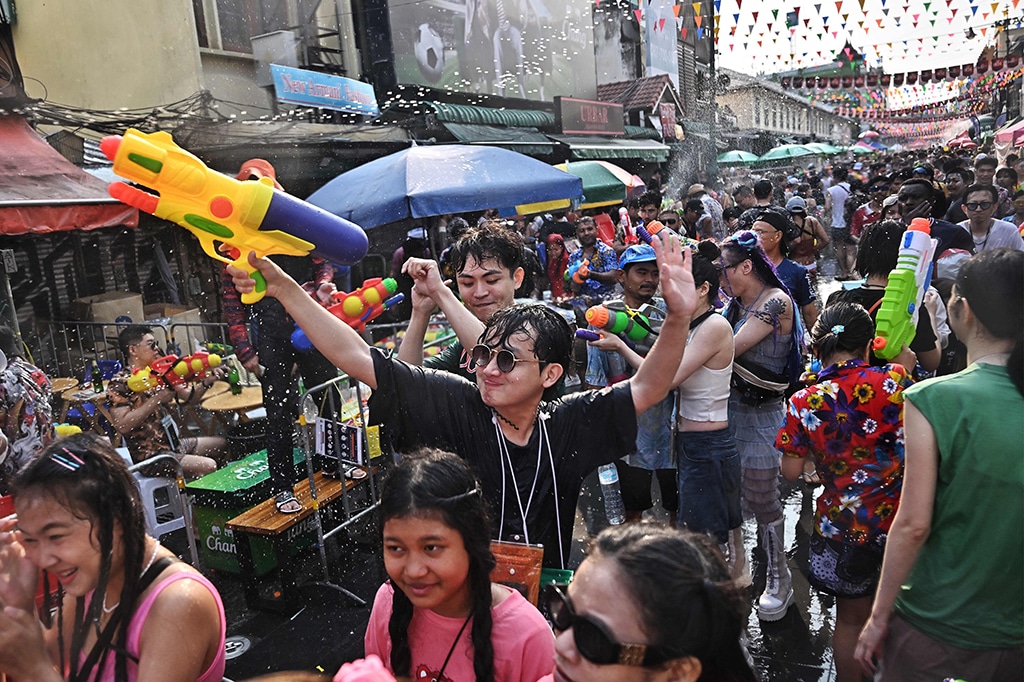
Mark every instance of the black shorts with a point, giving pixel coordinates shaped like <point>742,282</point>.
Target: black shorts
<point>841,235</point>
<point>846,571</point>
<point>636,488</point>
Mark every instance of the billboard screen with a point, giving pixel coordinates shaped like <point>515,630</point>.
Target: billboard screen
<point>531,49</point>
<point>660,37</point>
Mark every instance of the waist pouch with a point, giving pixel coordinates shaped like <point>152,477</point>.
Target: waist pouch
<point>757,385</point>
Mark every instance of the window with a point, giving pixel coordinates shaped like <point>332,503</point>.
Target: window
<point>237,21</point>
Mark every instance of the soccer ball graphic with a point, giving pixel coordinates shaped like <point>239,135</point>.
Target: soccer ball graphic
<point>429,50</point>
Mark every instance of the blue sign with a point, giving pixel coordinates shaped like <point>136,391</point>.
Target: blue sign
<point>314,89</point>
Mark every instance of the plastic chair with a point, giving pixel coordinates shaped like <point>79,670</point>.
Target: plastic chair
<point>164,506</point>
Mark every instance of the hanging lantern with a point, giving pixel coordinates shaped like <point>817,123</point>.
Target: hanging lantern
<point>926,77</point>
<point>847,82</point>
<point>982,66</point>
<point>1012,61</point>
<point>940,75</point>
<point>911,78</point>
<point>872,80</point>
<point>967,70</point>
<point>798,82</point>
<point>834,82</point>
<point>859,81</point>
<point>997,64</point>
<point>897,80</point>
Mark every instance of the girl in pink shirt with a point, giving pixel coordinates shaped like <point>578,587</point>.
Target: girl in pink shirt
<point>126,609</point>
<point>440,617</point>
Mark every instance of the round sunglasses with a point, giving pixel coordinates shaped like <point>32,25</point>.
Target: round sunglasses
<point>480,356</point>
<point>592,638</point>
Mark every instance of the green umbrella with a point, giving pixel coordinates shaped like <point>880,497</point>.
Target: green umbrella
<point>861,150</point>
<point>824,148</point>
<point>786,151</point>
<point>736,157</point>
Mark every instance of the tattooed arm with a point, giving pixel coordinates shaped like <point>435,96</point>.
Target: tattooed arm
<point>775,315</point>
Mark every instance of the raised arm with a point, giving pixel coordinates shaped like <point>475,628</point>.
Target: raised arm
<point>653,380</point>
<point>910,528</point>
<point>338,342</point>
<point>428,282</point>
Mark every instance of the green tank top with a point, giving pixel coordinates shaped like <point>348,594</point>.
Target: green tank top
<point>967,586</point>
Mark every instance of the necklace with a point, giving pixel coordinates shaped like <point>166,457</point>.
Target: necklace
<point>440,673</point>
<point>149,564</point>
<point>506,420</point>
<point>979,245</point>
<point>990,355</point>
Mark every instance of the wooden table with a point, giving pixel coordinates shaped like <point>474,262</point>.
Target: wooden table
<point>224,404</point>
<point>61,384</point>
<point>282,530</point>
<point>190,415</point>
<point>78,397</point>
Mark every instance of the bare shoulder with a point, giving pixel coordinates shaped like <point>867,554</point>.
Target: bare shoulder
<point>187,601</point>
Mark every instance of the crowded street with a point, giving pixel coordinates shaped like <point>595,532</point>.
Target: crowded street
<point>549,341</point>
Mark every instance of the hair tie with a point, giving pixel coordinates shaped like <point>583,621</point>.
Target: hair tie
<point>838,329</point>
<point>747,240</point>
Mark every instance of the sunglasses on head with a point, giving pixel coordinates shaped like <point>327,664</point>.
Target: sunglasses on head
<point>481,355</point>
<point>592,638</point>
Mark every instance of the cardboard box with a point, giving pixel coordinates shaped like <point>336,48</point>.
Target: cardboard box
<point>113,306</point>
<point>177,320</point>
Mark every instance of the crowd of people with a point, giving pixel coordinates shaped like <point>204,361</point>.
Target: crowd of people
<point>719,369</point>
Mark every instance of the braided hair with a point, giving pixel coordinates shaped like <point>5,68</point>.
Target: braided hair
<point>434,483</point>
<point>83,474</point>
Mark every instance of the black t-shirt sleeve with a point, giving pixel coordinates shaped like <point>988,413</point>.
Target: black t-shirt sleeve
<point>598,427</point>
<point>802,292</point>
<point>447,360</point>
<point>419,406</point>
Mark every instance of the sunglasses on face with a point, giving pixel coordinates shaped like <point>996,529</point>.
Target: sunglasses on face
<point>879,188</point>
<point>670,221</point>
<point>592,638</point>
<point>152,344</point>
<point>480,356</point>
<point>978,205</point>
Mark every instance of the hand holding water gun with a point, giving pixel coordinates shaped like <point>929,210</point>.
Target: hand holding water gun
<point>245,215</point>
<point>655,227</point>
<point>896,320</point>
<point>578,272</point>
<point>159,373</point>
<point>629,232</point>
<point>357,308</point>
<point>616,318</point>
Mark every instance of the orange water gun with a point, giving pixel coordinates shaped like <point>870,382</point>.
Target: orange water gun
<point>358,307</point>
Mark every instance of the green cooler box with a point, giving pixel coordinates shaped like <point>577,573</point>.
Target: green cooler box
<point>221,496</point>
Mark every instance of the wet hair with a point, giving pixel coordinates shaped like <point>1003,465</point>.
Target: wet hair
<point>695,205</point>
<point>1008,172</point>
<point>705,267</point>
<point>763,189</point>
<point>552,337</point>
<point>649,198</point>
<point>456,228</point>
<point>744,246</point>
<point>487,242</point>
<point>9,343</point>
<point>993,284</point>
<point>101,491</point>
<point>742,191</point>
<point>436,484</point>
<point>131,336</point>
<point>839,173</point>
<point>687,603</point>
<point>842,327</point>
<point>879,248</point>
<point>978,187</point>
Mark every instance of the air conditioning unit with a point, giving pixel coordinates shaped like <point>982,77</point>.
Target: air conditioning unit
<point>276,47</point>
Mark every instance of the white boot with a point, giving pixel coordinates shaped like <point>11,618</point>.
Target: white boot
<point>736,559</point>
<point>778,589</point>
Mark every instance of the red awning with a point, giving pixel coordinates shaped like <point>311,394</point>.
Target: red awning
<point>41,191</point>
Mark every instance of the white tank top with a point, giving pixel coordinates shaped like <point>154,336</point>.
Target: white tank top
<point>704,396</point>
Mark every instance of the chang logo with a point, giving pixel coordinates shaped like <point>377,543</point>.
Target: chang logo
<point>215,544</point>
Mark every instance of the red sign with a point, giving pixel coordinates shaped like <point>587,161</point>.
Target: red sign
<point>587,117</point>
<point>667,115</point>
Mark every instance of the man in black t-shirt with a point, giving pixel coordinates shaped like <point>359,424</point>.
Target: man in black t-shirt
<point>530,455</point>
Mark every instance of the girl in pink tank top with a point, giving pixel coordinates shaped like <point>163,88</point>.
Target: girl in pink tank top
<point>79,519</point>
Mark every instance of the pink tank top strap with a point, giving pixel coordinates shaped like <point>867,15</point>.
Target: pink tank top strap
<point>216,670</point>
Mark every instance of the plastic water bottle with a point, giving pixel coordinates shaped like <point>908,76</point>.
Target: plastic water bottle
<point>614,509</point>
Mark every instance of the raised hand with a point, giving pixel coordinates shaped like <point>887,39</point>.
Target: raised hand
<point>676,275</point>
<point>18,575</point>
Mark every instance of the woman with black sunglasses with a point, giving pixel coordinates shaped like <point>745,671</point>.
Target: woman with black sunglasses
<point>649,603</point>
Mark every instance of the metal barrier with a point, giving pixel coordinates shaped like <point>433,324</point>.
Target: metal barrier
<point>65,349</point>
<point>326,402</point>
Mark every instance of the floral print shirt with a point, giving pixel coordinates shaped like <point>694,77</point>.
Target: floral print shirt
<point>851,422</point>
<point>604,260</point>
<point>26,416</point>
